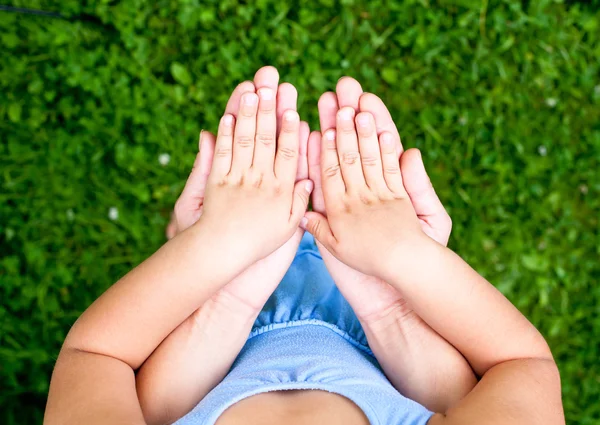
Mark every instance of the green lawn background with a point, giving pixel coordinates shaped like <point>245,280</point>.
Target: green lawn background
<point>503,98</point>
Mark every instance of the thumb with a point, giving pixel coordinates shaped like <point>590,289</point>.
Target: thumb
<point>425,201</point>
<point>196,182</point>
<point>302,191</point>
<point>417,184</point>
<point>317,225</point>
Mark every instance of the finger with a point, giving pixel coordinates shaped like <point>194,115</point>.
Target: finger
<point>318,226</point>
<point>328,107</point>
<point>383,119</point>
<point>347,148</point>
<point>419,188</point>
<point>314,171</point>
<point>195,185</point>
<point>267,76</point>
<point>302,170</point>
<point>370,155</point>
<point>302,191</point>
<point>391,165</point>
<point>223,148</point>
<point>266,127</point>
<point>245,130</point>
<point>348,92</point>
<point>287,98</point>
<point>331,176</point>
<point>233,103</point>
<point>286,158</point>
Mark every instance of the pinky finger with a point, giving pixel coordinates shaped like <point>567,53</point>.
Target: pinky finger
<point>223,148</point>
<point>390,164</point>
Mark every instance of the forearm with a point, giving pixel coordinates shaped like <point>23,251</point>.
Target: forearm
<point>193,359</point>
<point>418,362</point>
<point>132,318</point>
<point>464,308</point>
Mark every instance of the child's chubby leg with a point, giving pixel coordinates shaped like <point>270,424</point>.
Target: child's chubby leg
<point>198,354</point>
<point>420,363</point>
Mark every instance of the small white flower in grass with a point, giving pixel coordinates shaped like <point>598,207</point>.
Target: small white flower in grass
<point>70,214</point>
<point>462,120</point>
<point>583,189</point>
<point>551,102</point>
<point>164,159</point>
<point>542,150</point>
<point>113,213</point>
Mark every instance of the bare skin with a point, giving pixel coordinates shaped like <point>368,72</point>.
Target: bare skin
<point>297,407</point>
<point>371,226</point>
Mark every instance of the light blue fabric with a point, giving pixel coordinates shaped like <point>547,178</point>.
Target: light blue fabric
<point>307,337</point>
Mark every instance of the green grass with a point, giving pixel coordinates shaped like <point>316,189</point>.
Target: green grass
<point>503,97</point>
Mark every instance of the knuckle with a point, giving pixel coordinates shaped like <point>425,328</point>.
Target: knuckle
<point>255,180</point>
<point>392,169</point>
<point>370,161</point>
<point>332,171</point>
<point>266,139</point>
<point>277,188</point>
<point>316,227</point>
<point>366,198</point>
<point>223,152</point>
<point>302,196</point>
<point>346,206</point>
<point>350,158</point>
<point>244,141</point>
<point>287,153</point>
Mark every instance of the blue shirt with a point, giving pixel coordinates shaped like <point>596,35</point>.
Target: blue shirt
<point>307,337</point>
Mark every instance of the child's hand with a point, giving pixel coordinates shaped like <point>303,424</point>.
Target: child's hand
<point>173,379</point>
<point>421,364</point>
<point>369,213</point>
<point>252,201</point>
<point>369,296</point>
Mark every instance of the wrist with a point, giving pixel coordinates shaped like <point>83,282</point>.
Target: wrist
<point>217,243</point>
<point>408,258</point>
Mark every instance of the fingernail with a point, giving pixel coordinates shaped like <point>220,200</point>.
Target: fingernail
<point>266,93</point>
<point>304,222</point>
<point>227,120</point>
<point>330,134</point>
<point>290,116</point>
<point>363,120</point>
<point>386,139</point>
<point>250,99</point>
<point>345,114</point>
<point>309,186</point>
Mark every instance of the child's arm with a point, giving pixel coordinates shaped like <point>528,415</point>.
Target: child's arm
<point>372,226</point>
<point>94,380</point>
